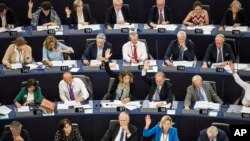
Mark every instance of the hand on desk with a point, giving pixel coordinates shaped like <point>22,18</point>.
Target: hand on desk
<point>18,105</point>
<point>79,99</point>
<point>28,103</point>
<point>169,63</point>
<point>86,62</point>
<point>125,100</point>
<point>160,104</point>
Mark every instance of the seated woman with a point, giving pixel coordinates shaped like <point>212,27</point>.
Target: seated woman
<point>123,87</point>
<point>234,16</point>
<point>29,95</point>
<point>80,15</point>
<point>197,16</point>
<point>67,132</point>
<point>18,52</point>
<point>54,50</point>
<point>162,131</point>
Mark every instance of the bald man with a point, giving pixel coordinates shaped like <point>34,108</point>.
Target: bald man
<point>218,52</point>
<point>212,133</point>
<point>72,89</point>
<point>122,131</point>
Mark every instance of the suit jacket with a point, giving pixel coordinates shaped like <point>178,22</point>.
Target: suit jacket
<point>211,53</point>
<point>220,137</point>
<point>74,20</point>
<point>192,94</point>
<point>157,131</point>
<point>154,15</point>
<point>166,93</point>
<point>91,51</point>
<point>112,93</point>
<point>10,18</point>
<point>22,96</point>
<point>240,18</point>
<point>111,15</point>
<point>173,49</point>
<point>7,136</point>
<point>113,130</point>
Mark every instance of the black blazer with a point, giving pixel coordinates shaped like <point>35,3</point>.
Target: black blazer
<point>91,51</point>
<point>154,15</point>
<point>113,130</point>
<point>220,137</point>
<point>211,53</point>
<point>166,93</point>
<point>7,136</point>
<point>173,49</point>
<point>240,18</point>
<point>73,20</point>
<point>10,18</point>
<point>111,15</point>
<point>112,94</point>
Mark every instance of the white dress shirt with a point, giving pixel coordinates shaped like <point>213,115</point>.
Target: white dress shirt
<point>80,18</point>
<point>119,16</point>
<point>78,87</point>
<point>245,86</point>
<point>128,51</point>
<point>30,97</point>
<point>164,137</point>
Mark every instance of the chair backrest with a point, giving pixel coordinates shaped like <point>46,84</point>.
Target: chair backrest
<point>86,80</point>
<point>90,40</point>
<point>75,125</point>
<point>207,7</point>
<point>212,83</point>
<point>239,99</point>
<point>232,43</point>
<point>25,82</point>
<point>145,42</point>
<point>111,81</point>
<point>222,126</point>
<point>6,128</point>
<point>112,122</point>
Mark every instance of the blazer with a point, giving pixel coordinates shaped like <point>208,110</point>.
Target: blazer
<point>192,94</point>
<point>91,50</point>
<point>112,94</point>
<point>211,53</point>
<point>240,18</point>
<point>10,18</point>
<point>7,136</point>
<point>166,93</point>
<point>111,15</point>
<point>22,96</point>
<point>75,135</point>
<point>220,137</point>
<point>113,130</point>
<point>154,15</point>
<point>73,20</point>
<point>174,51</point>
<point>157,131</point>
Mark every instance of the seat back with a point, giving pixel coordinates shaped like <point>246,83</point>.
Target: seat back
<point>207,7</point>
<point>6,128</point>
<point>25,82</point>
<point>112,122</point>
<point>212,83</point>
<point>145,42</point>
<point>66,56</point>
<point>222,126</point>
<point>232,43</point>
<point>111,82</point>
<point>90,40</point>
<point>86,80</point>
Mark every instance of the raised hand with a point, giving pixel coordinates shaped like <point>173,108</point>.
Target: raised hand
<point>108,53</point>
<point>147,121</point>
<point>146,65</point>
<point>30,4</point>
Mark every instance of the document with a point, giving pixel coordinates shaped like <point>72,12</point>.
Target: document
<point>4,110</point>
<point>183,63</point>
<point>72,103</point>
<point>95,63</point>
<point>62,106</point>
<point>74,69</point>
<point>168,27</point>
<point>207,105</point>
<point>69,63</point>
<point>241,28</point>
<point>92,26</point>
<point>204,28</point>
<point>132,105</point>
<point>126,25</point>
<point>136,64</point>
<point>23,109</point>
<point>153,104</point>
<point>16,66</point>
<point>245,110</point>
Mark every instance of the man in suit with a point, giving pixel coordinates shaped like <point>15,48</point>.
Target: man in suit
<point>7,17</point>
<point>180,49</point>
<point>160,14</point>
<point>218,52</point>
<point>117,14</point>
<point>16,133</point>
<point>212,133</point>
<point>200,91</point>
<point>96,50</point>
<point>160,89</point>
<point>122,131</point>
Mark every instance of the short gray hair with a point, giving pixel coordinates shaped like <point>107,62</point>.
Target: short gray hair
<point>161,0</point>
<point>182,34</point>
<point>118,0</point>
<point>220,35</point>
<point>101,36</point>
<point>212,130</point>
<point>15,125</point>
<point>196,77</point>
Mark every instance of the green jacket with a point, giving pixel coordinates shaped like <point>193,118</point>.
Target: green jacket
<point>22,96</point>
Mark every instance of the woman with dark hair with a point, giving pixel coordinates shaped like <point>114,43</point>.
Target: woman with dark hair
<point>30,94</point>
<point>67,132</point>
<point>123,87</point>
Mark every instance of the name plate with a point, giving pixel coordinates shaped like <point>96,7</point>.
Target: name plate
<point>51,31</point>
<point>161,30</point>
<point>245,115</point>
<point>64,68</point>
<point>13,33</point>
<point>79,110</point>
<point>181,68</point>
<point>25,69</point>
<point>38,112</point>
<point>88,30</point>
<point>140,67</point>
<point>198,31</point>
<point>204,112</point>
<point>124,30</point>
<point>236,32</point>
<point>162,109</point>
<point>219,69</point>
<point>120,109</point>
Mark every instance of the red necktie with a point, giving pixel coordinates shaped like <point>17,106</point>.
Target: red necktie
<point>135,52</point>
<point>161,17</point>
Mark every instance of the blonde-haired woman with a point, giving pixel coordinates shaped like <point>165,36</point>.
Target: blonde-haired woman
<point>162,131</point>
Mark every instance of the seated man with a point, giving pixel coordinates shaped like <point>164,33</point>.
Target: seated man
<point>122,131</point>
<point>200,91</point>
<point>212,133</point>
<point>8,18</point>
<point>18,52</point>
<point>72,88</point>
<point>134,51</point>
<point>159,14</point>
<point>45,16</point>
<point>160,89</point>
<point>16,133</point>
<point>117,14</point>
<point>96,50</point>
<point>180,49</point>
<point>218,52</point>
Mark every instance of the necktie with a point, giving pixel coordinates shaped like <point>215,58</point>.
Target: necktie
<point>71,93</point>
<point>122,135</point>
<point>157,94</point>
<point>200,95</point>
<point>135,52</point>
<point>161,17</point>
<point>219,56</point>
<point>180,58</point>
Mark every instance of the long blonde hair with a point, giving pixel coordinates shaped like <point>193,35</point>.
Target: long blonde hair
<point>48,41</point>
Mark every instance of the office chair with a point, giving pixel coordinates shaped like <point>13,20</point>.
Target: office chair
<point>66,56</point>
<point>212,83</point>
<point>207,7</point>
<point>86,80</point>
<point>232,43</point>
<point>222,126</point>
<point>145,42</point>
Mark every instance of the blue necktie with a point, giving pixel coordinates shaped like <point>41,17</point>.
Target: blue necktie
<point>200,95</point>
<point>71,93</point>
<point>122,135</point>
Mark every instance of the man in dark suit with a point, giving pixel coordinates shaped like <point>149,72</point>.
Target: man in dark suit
<point>212,133</point>
<point>200,91</point>
<point>160,89</point>
<point>96,50</point>
<point>16,133</point>
<point>159,14</point>
<point>180,49</point>
<point>7,17</point>
<point>219,52</point>
<point>117,14</point>
<point>122,131</point>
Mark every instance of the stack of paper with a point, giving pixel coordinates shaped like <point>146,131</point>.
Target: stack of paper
<point>4,110</point>
<point>206,105</point>
<point>153,104</point>
<point>126,25</point>
<point>92,26</point>
<point>23,109</point>
<point>95,63</point>
<point>69,63</point>
<point>241,28</point>
<point>169,27</point>
<point>136,64</point>
<point>16,66</point>
<point>183,63</point>
<point>72,103</point>
<point>132,105</point>
<point>245,109</point>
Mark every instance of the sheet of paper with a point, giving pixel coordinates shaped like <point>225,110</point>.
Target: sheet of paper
<point>153,69</point>
<point>18,29</point>
<point>241,28</point>
<point>183,63</point>
<point>85,106</point>
<point>126,25</point>
<point>23,109</point>
<point>16,66</point>
<point>32,66</point>
<point>136,64</point>
<point>72,103</point>
<point>245,109</point>
<point>69,63</point>
<point>169,27</point>
<point>95,63</point>
<point>61,106</point>
<point>114,66</point>
<point>153,104</point>
<point>206,105</point>
<point>92,26</point>
<point>205,28</point>
<point>215,65</point>
<point>4,110</point>
<point>3,29</point>
<point>130,105</point>
<point>74,69</point>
